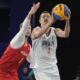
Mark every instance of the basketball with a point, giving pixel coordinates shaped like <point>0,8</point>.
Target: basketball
<point>60,12</point>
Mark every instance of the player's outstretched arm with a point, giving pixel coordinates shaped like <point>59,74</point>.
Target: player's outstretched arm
<point>19,38</point>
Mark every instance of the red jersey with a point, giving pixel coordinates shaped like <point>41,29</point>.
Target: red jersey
<point>12,58</point>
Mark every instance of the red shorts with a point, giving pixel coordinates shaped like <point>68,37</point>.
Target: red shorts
<point>8,75</point>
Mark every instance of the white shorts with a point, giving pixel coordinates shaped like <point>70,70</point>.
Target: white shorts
<point>48,74</point>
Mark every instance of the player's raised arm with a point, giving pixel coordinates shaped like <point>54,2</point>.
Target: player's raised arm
<point>64,33</point>
<point>19,39</point>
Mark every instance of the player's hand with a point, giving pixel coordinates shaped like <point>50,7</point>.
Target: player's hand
<point>51,21</point>
<point>69,15</point>
<point>34,8</point>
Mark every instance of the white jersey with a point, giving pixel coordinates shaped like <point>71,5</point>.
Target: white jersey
<point>43,51</point>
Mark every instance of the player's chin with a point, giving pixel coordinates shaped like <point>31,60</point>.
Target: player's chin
<point>45,22</point>
<point>28,35</point>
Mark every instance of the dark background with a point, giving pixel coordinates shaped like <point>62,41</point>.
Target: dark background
<point>13,12</point>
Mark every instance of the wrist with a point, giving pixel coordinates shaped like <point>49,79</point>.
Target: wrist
<point>29,15</point>
<point>67,21</point>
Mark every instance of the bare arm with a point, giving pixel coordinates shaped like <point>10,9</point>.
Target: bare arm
<point>64,33</point>
<point>19,39</point>
<point>37,32</point>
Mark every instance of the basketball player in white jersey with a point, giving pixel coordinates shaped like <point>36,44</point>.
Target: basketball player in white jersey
<point>44,44</point>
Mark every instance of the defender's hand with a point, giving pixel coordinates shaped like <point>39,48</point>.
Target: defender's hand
<point>34,8</point>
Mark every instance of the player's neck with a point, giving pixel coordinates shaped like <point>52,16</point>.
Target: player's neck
<point>48,31</point>
<point>26,37</point>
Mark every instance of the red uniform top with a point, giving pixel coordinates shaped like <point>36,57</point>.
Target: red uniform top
<point>12,58</point>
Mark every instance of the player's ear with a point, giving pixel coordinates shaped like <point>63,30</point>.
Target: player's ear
<point>20,26</point>
<point>39,21</point>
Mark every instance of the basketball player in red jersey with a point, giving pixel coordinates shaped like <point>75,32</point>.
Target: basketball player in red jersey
<point>17,50</point>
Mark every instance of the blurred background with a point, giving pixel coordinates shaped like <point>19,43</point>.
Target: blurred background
<point>13,12</point>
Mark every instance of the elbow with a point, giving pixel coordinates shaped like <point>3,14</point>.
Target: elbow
<point>66,36</point>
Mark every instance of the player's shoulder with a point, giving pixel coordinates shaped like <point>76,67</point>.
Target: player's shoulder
<point>57,29</point>
<point>8,49</point>
<point>53,28</point>
<point>36,28</point>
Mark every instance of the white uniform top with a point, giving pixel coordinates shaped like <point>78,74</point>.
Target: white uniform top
<point>43,51</point>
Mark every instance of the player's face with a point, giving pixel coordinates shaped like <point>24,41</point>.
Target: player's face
<point>44,18</point>
<point>28,32</point>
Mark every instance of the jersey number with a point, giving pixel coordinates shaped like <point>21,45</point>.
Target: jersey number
<point>49,50</point>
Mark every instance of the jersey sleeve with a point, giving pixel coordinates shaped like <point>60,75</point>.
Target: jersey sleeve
<point>19,38</point>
